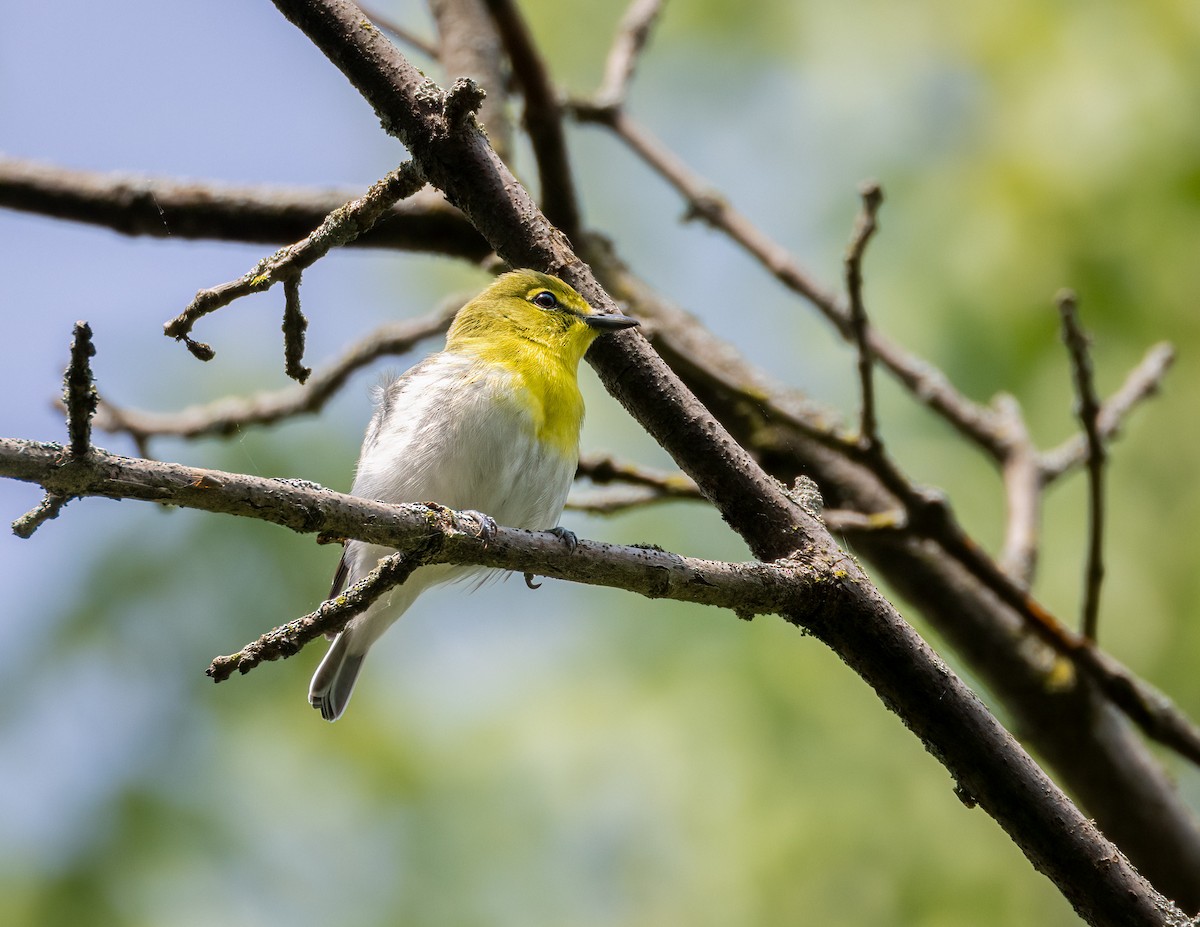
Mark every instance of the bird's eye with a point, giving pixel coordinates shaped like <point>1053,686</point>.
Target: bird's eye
<point>545,300</point>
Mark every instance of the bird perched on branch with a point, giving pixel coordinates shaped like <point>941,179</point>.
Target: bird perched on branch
<point>491,425</point>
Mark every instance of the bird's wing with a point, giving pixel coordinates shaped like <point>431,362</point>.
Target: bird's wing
<point>340,576</point>
<point>339,582</point>
<point>387,397</point>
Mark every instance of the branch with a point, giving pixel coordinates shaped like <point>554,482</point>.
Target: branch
<point>165,208</point>
<point>48,509</point>
<point>1143,381</point>
<point>821,590</point>
<point>340,226</point>
<point>618,501</point>
<point>407,36</point>
<point>442,535</point>
<point>227,416</point>
<point>534,239</point>
<point>79,391</point>
<point>79,401</point>
<point>543,118</point>
<point>926,516</point>
<point>1088,408</point>
<point>329,618</point>
<point>926,383</point>
<point>294,326</point>
<point>633,33</point>
<point>468,46</point>
<point>865,227</point>
<point>748,589</point>
<point>457,159</point>
<point>1100,756</point>
<point>604,470</point>
<point>1022,494</point>
<point>502,210</point>
<point>645,486</point>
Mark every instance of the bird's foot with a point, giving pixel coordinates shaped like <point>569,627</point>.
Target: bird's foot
<point>566,536</point>
<point>487,525</point>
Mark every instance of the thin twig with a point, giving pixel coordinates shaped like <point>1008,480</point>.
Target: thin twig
<point>604,470</point>
<point>849,521</point>
<point>79,400</point>
<point>928,384</point>
<point>1088,409</point>
<point>49,508</point>
<point>633,33</point>
<point>330,617</point>
<point>79,391</point>
<point>543,118</point>
<point>1022,494</point>
<point>1142,382</point>
<point>619,501</point>
<point>864,228</point>
<point>340,226</point>
<point>642,486</point>
<point>294,326</point>
<point>407,36</point>
<point>228,416</point>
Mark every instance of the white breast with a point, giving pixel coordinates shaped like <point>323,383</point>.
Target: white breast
<point>451,432</point>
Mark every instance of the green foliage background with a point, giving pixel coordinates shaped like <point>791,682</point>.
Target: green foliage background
<point>575,755</point>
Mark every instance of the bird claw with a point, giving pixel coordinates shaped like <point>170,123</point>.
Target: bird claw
<point>566,536</point>
<point>487,525</point>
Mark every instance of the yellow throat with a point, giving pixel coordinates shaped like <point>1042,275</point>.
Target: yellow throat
<point>537,328</point>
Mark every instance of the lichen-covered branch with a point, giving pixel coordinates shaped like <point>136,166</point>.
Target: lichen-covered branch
<point>340,226</point>
<point>820,589</point>
<point>329,618</point>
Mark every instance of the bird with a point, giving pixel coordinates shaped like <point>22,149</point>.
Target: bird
<point>489,425</point>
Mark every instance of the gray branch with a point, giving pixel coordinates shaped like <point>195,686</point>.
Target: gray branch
<point>819,589</point>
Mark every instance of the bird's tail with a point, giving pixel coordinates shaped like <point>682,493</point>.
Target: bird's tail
<point>333,682</point>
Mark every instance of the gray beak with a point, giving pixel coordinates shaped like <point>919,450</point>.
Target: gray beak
<point>609,323</point>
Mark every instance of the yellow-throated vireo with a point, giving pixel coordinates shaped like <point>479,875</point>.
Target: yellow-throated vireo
<point>491,425</point>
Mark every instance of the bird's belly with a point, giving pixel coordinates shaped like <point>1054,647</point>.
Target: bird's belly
<point>516,479</point>
<point>501,471</point>
<point>486,457</point>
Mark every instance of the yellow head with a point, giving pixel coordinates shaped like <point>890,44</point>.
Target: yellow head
<point>526,313</point>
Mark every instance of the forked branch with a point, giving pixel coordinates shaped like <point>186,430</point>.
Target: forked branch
<point>340,226</point>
